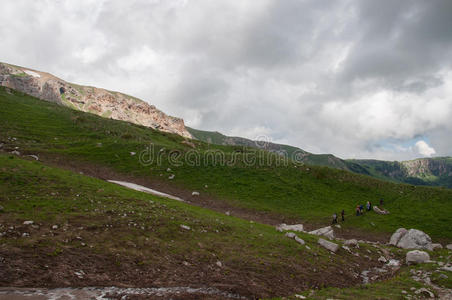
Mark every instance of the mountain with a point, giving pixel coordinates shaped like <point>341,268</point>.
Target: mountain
<point>435,171</point>
<point>294,153</point>
<point>94,100</point>
<point>422,171</point>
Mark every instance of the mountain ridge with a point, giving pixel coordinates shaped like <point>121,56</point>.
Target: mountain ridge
<point>102,102</point>
<point>436,171</point>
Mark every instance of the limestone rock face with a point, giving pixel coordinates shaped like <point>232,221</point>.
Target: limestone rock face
<point>98,101</point>
<point>417,257</point>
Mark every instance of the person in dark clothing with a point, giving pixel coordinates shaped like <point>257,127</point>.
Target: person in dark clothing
<point>334,218</point>
<point>370,205</point>
<point>357,210</point>
<point>343,215</point>
<point>381,202</point>
<point>361,209</point>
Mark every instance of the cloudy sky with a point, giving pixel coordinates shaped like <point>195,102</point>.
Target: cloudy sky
<point>359,79</point>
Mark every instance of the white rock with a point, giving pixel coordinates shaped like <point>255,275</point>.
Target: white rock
<point>34,156</point>
<point>171,176</point>
<point>295,227</point>
<point>397,235</point>
<point>393,263</point>
<point>290,235</point>
<point>168,170</point>
<point>219,264</point>
<point>195,193</point>
<point>25,234</point>
<point>15,152</point>
<point>437,246</point>
<point>449,246</point>
<point>28,222</point>
<point>351,242</point>
<point>424,292</point>
<point>380,211</point>
<point>337,226</point>
<point>300,296</point>
<point>228,213</point>
<point>417,257</point>
<point>133,153</point>
<point>382,259</point>
<point>415,239</point>
<point>55,227</point>
<point>299,240</point>
<point>328,245</point>
<point>185,227</point>
<point>325,231</point>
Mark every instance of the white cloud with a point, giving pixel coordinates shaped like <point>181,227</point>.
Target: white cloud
<point>424,149</point>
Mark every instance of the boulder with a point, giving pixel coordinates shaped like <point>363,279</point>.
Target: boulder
<point>382,259</point>
<point>437,246</point>
<point>285,227</point>
<point>380,211</point>
<point>28,222</point>
<point>325,231</point>
<point>449,246</point>
<point>351,242</point>
<point>415,239</point>
<point>424,292</point>
<point>417,257</point>
<point>397,235</point>
<point>333,247</point>
<point>195,193</point>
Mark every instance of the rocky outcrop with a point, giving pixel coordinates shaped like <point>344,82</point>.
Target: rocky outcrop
<point>417,257</point>
<point>411,239</point>
<point>98,101</point>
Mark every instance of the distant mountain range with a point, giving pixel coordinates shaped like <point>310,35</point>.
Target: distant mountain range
<point>422,171</point>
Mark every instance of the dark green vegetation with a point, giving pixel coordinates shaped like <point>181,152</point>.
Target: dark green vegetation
<point>423,171</point>
<point>302,193</point>
<point>122,237</point>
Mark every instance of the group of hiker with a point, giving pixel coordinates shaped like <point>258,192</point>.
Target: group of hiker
<point>359,211</point>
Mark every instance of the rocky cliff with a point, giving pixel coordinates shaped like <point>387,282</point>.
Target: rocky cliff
<point>98,101</point>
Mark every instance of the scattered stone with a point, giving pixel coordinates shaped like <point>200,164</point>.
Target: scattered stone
<point>424,292</point>
<point>382,259</point>
<point>325,231</point>
<point>185,227</point>
<point>437,246</point>
<point>337,226</point>
<point>195,193</point>
<point>132,153</point>
<point>2,209</point>
<point>443,276</point>
<point>25,234</point>
<point>171,176</point>
<point>449,246</point>
<point>333,247</point>
<point>55,227</point>
<point>300,296</point>
<point>404,292</point>
<point>285,227</point>
<point>34,156</point>
<point>228,213</point>
<point>394,263</point>
<point>28,222</point>
<point>80,274</point>
<point>168,170</point>
<point>351,242</point>
<point>290,235</point>
<point>15,152</point>
<point>380,211</point>
<point>299,240</point>
<point>416,257</point>
<point>219,264</point>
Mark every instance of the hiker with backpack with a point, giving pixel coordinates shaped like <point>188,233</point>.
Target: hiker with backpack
<point>334,218</point>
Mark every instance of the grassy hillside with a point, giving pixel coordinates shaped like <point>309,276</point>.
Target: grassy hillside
<point>117,236</point>
<point>300,193</point>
